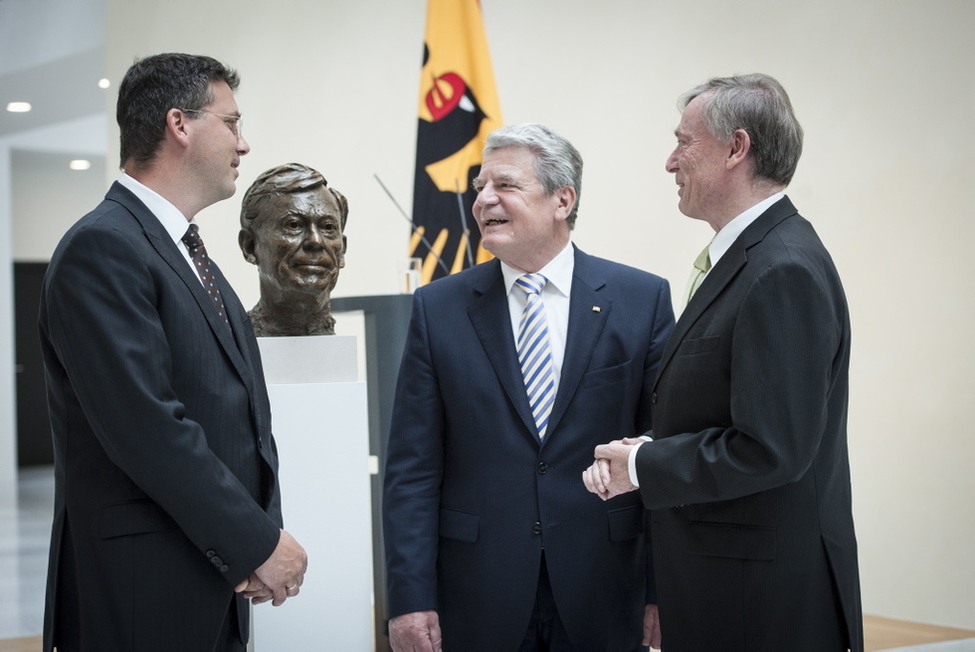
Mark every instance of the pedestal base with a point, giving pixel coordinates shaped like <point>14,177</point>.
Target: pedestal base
<point>322,433</point>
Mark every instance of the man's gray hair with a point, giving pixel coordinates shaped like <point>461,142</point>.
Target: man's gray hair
<point>557,163</point>
<point>758,104</point>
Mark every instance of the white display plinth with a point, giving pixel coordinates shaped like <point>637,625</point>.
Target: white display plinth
<point>321,424</point>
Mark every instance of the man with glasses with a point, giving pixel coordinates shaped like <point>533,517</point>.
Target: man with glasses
<point>234,122</point>
<point>167,512</point>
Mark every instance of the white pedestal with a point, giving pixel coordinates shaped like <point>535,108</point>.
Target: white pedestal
<point>321,425</point>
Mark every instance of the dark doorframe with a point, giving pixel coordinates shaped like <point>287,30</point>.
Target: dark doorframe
<point>34,447</point>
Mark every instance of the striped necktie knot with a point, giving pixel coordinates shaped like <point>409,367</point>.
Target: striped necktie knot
<point>531,283</point>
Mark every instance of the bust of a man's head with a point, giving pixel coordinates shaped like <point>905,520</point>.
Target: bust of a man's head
<point>291,227</point>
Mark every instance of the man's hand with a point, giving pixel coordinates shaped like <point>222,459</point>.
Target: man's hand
<point>418,631</point>
<point>254,590</point>
<point>282,573</point>
<point>651,627</point>
<point>609,475</point>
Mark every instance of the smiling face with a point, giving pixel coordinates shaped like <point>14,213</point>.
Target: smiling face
<point>699,166</point>
<point>519,223</point>
<point>297,243</point>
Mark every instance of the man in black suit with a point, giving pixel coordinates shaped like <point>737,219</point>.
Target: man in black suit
<point>492,544</point>
<point>748,472</point>
<point>167,511</point>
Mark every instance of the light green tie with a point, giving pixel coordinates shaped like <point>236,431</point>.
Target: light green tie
<point>701,266</point>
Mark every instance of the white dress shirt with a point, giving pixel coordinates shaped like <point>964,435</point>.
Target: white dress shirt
<point>168,215</point>
<point>726,237</point>
<point>555,296</point>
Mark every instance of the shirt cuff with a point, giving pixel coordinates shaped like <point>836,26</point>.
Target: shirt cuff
<point>631,461</point>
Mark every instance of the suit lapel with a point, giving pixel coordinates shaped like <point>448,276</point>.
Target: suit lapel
<point>588,312</point>
<point>489,315</point>
<point>166,248</point>
<point>726,269</point>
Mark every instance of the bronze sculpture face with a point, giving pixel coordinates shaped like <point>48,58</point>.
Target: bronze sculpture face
<point>292,227</point>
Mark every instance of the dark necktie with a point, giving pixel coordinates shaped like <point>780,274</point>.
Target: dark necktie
<point>535,351</point>
<point>194,243</point>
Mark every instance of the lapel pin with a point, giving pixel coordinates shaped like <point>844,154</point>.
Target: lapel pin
<point>596,308</point>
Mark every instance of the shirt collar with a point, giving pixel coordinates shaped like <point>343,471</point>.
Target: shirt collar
<point>558,271</point>
<point>724,238</point>
<point>168,215</point>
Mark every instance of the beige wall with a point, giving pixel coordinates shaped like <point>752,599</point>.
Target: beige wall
<point>883,88</point>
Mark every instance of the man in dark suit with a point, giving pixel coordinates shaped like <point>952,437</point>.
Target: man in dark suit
<point>492,543</point>
<point>167,511</point>
<point>748,472</point>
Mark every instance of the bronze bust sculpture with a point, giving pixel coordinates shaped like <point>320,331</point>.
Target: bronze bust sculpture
<point>291,227</point>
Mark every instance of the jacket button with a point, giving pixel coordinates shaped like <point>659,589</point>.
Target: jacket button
<point>653,398</point>
<point>211,553</point>
<point>224,568</point>
<point>537,528</point>
<point>542,467</point>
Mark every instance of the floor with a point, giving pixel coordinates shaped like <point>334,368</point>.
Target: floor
<point>25,533</point>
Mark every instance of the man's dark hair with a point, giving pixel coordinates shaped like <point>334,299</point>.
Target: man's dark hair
<point>153,86</point>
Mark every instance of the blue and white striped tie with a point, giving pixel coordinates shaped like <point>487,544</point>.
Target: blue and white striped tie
<point>535,351</point>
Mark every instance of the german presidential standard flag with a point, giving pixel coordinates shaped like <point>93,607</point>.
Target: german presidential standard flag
<point>458,109</point>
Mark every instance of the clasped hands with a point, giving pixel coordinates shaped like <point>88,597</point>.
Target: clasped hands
<point>609,475</point>
<point>278,578</point>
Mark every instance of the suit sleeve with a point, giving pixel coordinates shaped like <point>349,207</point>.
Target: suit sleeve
<point>414,471</point>
<point>660,330</point>
<point>783,345</point>
<point>104,324</point>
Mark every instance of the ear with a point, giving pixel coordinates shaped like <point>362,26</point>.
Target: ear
<point>176,123</point>
<point>342,254</point>
<point>566,200</point>
<point>741,145</point>
<point>246,241</point>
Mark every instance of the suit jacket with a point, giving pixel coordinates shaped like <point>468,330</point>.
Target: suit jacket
<point>165,467</point>
<point>748,475</point>
<point>471,493</point>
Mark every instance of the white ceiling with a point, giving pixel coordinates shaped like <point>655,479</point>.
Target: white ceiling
<point>52,55</point>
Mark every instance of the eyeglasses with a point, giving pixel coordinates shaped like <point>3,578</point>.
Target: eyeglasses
<point>235,122</point>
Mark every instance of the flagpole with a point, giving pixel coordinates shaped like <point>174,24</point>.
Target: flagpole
<point>463,223</point>
<point>416,229</point>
